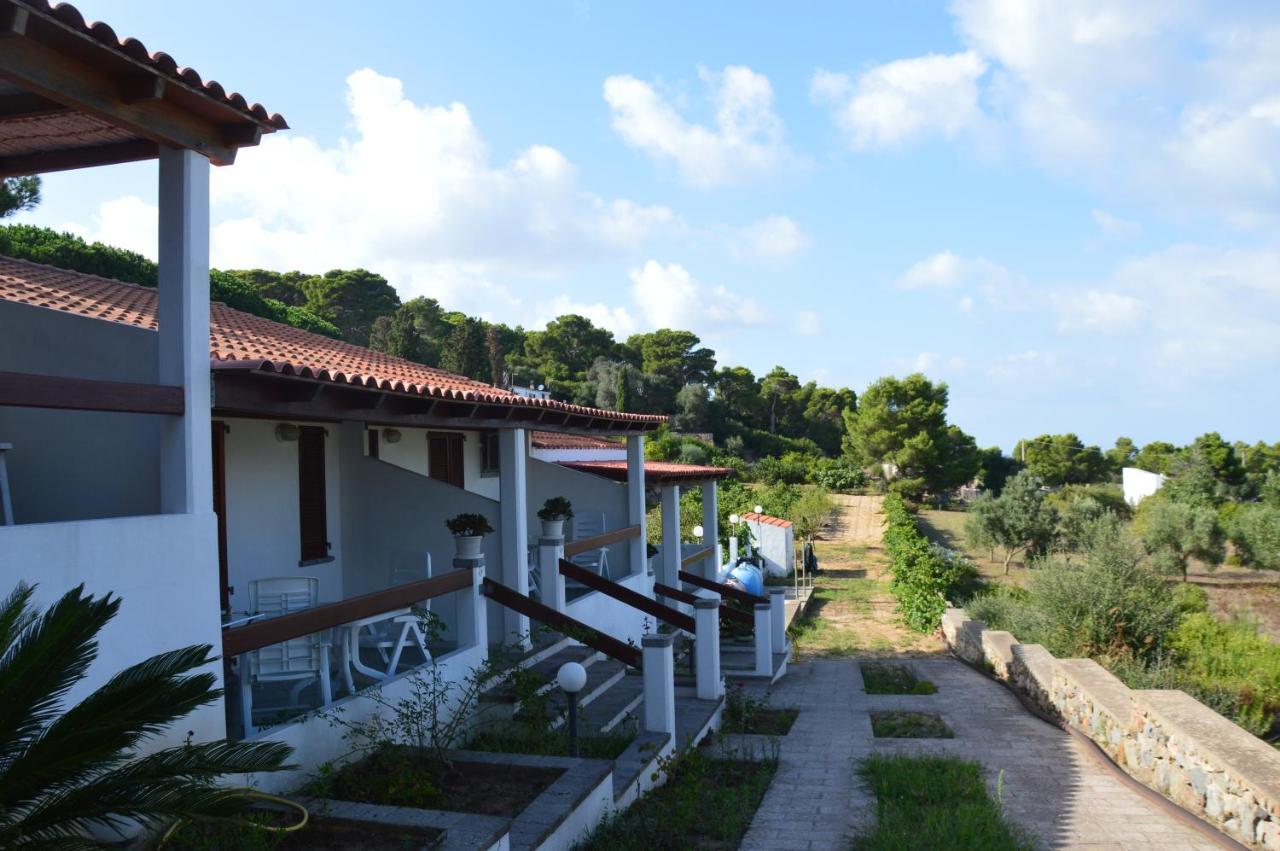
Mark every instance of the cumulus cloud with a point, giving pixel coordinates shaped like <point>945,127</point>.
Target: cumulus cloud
<point>771,238</point>
<point>999,287</point>
<point>127,222</point>
<point>1098,310</point>
<point>667,296</point>
<point>1115,226</point>
<point>902,101</point>
<point>745,141</point>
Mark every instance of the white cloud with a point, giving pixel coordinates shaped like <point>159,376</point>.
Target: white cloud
<point>127,222</point>
<point>771,238</point>
<point>1000,288</point>
<point>902,101</point>
<point>1115,226</point>
<point>1098,310</point>
<point>669,297</point>
<point>806,323</point>
<point>746,141</point>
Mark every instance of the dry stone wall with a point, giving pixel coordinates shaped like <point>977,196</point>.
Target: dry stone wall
<point>1165,739</point>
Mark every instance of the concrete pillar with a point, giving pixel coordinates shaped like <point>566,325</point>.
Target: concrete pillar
<point>733,550</point>
<point>182,294</point>
<point>473,612</point>
<point>659,683</point>
<point>706,615</point>
<point>711,528</point>
<point>513,491</point>
<point>764,639</point>
<point>635,502</point>
<point>669,574</point>
<point>778,619</point>
<point>550,580</point>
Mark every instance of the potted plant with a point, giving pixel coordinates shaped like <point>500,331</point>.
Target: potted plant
<point>468,530</point>
<point>553,513</point>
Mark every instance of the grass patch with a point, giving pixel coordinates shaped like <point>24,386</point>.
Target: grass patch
<point>909,725</point>
<point>259,830</point>
<point>890,678</point>
<point>408,777</point>
<point>746,714</point>
<point>705,803</point>
<point>928,802</point>
<point>608,745</point>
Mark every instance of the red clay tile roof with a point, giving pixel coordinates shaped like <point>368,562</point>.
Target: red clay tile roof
<point>242,341</point>
<point>752,517</point>
<point>655,472</point>
<point>160,62</point>
<point>560,440</point>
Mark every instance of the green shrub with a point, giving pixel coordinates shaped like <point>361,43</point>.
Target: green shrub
<point>1190,599</point>
<point>840,476</point>
<point>773,471</point>
<point>1255,532</point>
<point>924,574</point>
<point>1235,658</point>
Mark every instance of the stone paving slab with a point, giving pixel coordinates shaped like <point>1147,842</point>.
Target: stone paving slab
<point>1047,780</point>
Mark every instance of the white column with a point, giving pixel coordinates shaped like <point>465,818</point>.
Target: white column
<point>513,504</point>
<point>659,683</point>
<point>473,613</point>
<point>186,469</point>
<point>550,580</point>
<point>670,573</point>
<point>711,528</point>
<point>764,640</point>
<point>635,501</point>
<point>706,615</point>
<point>778,619</point>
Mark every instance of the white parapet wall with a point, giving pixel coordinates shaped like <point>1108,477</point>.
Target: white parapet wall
<point>1163,738</point>
<point>776,540</point>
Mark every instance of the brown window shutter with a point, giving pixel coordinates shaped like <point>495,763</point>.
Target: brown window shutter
<point>312,509</point>
<point>373,443</point>
<point>444,458</point>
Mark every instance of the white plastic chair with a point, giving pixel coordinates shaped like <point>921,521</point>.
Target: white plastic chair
<point>390,636</point>
<point>303,660</point>
<point>589,524</point>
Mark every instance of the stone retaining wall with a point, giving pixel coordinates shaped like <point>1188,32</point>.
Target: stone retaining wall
<point>1165,739</point>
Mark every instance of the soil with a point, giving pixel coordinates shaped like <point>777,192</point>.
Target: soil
<point>406,777</point>
<point>320,833</point>
<point>770,722</point>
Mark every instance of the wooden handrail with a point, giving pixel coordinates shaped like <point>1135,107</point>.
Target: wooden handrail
<point>575,629</point>
<point>727,612</point>
<point>694,558</point>
<point>26,390</point>
<point>633,599</point>
<point>268,631</point>
<point>586,545</point>
<point>722,589</point>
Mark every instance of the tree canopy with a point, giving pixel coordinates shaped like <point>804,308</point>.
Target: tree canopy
<point>18,194</point>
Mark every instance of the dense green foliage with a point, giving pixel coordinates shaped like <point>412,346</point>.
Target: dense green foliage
<point>1174,533</point>
<point>1019,519</point>
<point>903,423</point>
<point>924,574</point>
<point>18,194</point>
<point>926,802</point>
<point>64,771</point>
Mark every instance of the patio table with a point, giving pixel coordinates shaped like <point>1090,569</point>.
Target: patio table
<point>409,631</point>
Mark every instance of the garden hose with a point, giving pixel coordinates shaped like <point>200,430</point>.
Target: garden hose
<point>262,796</point>
<point>1153,797</point>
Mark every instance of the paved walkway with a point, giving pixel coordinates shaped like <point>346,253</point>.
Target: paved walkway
<point>1050,784</point>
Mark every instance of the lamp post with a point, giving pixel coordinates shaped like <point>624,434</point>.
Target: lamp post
<point>571,678</point>
<point>697,533</point>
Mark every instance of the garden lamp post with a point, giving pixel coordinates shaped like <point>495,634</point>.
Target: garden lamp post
<point>571,678</point>
<point>697,533</point>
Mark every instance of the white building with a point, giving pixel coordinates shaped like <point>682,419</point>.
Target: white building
<point>1139,484</point>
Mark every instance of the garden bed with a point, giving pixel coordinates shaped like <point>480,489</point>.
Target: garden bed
<point>260,831</point>
<point>934,802</point>
<point>890,678</point>
<point>909,725</point>
<point>747,715</point>
<point>707,802</point>
<point>407,777</point>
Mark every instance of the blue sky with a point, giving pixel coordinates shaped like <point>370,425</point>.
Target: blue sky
<point>1067,211</point>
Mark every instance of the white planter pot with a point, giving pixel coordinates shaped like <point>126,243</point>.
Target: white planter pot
<point>468,545</point>
<point>553,528</point>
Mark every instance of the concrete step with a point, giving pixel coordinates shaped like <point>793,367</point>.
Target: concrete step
<point>614,705</point>
<point>602,676</point>
<point>546,667</point>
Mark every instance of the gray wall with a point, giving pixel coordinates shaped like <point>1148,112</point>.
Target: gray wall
<point>78,465</point>
<point>587,492</point>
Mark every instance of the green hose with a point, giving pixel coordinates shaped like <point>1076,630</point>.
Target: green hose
<point>262,796</point>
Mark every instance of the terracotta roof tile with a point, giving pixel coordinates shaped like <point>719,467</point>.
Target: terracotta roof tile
<point>560,440</point>
<point>752,517</point>
<point>239,340</point>
<point>159,61</point>
<point>655,472</point>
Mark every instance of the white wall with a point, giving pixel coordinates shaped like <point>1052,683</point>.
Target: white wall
<point>613,617</point>
<point>587,492</point>
<point>163,567</point>
<point>263,535</point>
<point>78,465</point>
<point>554,455</point>
<point>1139,484</point>
<point>776,546</point>
<point>411,454</point>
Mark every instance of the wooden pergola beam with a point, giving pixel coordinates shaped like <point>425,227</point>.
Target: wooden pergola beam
<point>69,158</point>
<point>24,390</point>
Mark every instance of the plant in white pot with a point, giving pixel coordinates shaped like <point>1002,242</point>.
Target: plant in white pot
<point>553,513</point>
<point>468,531</point>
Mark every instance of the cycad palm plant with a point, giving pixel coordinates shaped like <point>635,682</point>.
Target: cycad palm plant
<point>66,772</point>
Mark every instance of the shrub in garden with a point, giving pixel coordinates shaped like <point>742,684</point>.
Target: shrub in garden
<point>1255,532</point>
<point>923,573</point>
<point>840,476</point>
<point>1174,533</point>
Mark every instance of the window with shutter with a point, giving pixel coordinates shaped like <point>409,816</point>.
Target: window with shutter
<point>312,510</point>
<point>444,457</point>
<point>373,442</point>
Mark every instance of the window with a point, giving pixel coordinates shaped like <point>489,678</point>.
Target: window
<point>313,521</point>
<point>444,457</point>
<point>373,442</point>
<point>489,454</point>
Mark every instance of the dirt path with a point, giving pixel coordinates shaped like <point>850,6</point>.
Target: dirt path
<point>852,612</point>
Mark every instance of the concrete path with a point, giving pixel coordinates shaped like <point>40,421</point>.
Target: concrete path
<point>1050,784</point>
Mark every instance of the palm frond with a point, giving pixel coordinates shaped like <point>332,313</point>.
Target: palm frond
<point>175,782</point>
<point>93,736</point>
<point>15,614</point>
<point>48,655</point>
